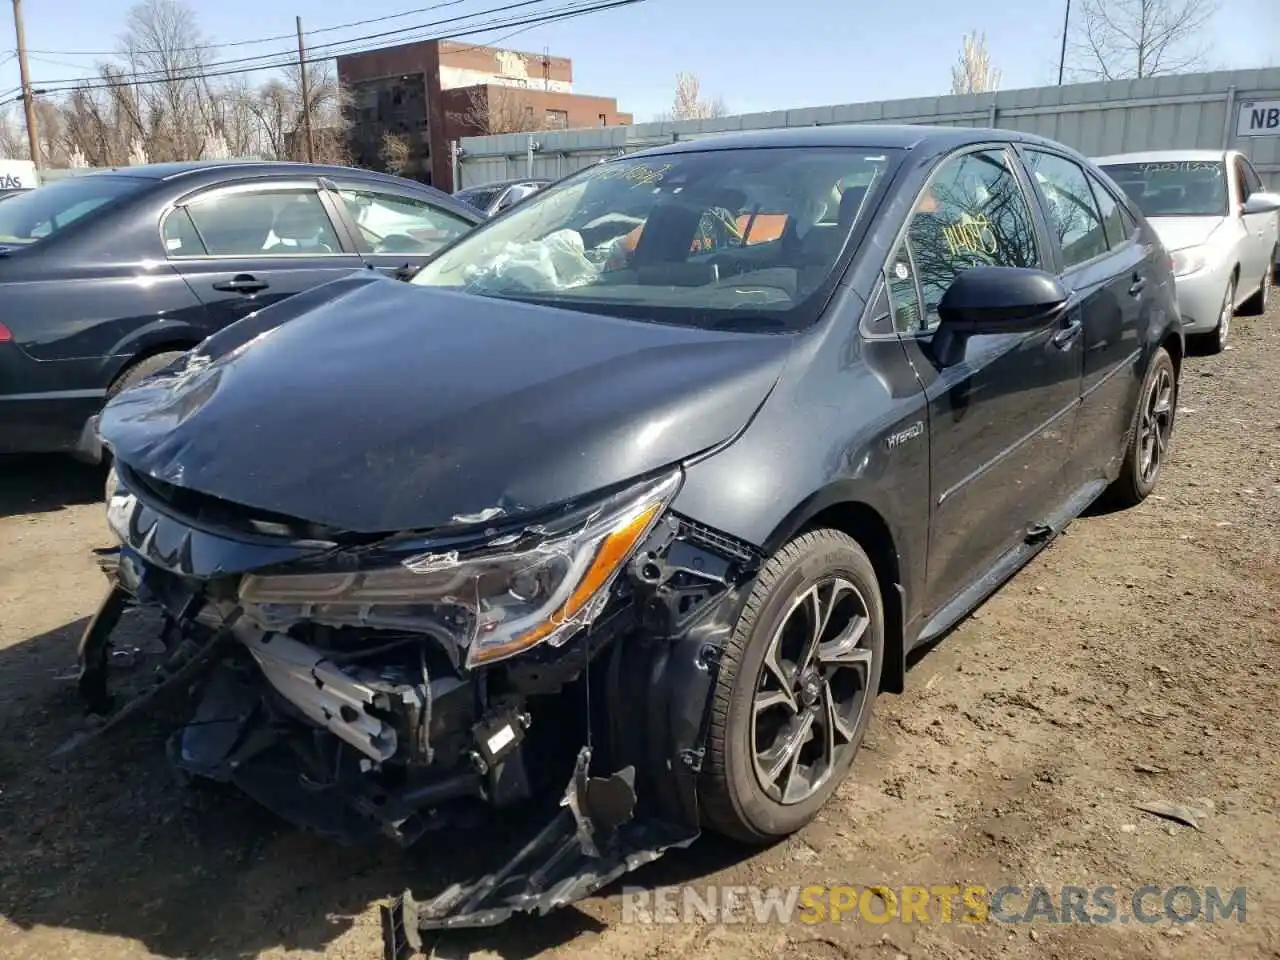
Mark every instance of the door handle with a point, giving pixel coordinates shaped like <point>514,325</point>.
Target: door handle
<point>242,283</point>
<point>1139,284</point>
<point>1068,334</point>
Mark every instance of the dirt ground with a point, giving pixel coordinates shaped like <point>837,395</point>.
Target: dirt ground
<point>1134,661</point>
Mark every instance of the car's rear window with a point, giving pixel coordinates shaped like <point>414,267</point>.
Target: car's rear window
<point>38,214</point>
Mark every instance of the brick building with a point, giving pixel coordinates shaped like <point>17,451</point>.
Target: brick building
<point>436,91</point>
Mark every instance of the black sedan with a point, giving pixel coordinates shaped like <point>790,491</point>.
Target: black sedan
<point>647,487</point>
<point>493,198</point>
<point>110,276</point>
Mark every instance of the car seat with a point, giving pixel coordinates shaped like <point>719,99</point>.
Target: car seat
<point>234,226</point>
<point>298,226</point>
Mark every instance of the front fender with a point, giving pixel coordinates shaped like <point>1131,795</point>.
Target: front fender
<point>845,427</point>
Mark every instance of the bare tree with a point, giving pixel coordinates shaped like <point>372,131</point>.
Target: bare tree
<point>13,138</point>
<point>164,44</point>
<point>497,108</point>
<point>236,120</point>
<point>974,72</point>
<point>278,108</point>
<point>395,153</point>
<point>156,100</point>
<point>688,102</point>
<point>1127,39</point>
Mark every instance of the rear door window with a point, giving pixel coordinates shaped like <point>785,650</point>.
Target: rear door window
<point>267,222</point>
<point>1073,212</point>
<point>1113,217</point>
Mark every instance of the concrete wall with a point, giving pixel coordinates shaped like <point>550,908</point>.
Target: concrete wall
<point>1190,111</point>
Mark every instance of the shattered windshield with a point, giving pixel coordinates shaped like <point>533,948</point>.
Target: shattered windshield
<point>712,238</point>
<point>1174,188</point>
<point>37,214</point>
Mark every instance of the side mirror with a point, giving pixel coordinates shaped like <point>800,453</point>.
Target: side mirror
<point>994,300</point>
<point>408,271</point>
<point>1261,202</point>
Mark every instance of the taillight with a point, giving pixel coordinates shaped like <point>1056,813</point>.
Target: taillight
<point>5,334</point>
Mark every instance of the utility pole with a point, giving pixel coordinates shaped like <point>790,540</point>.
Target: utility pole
<point>28,98</point>
<point>306,95</point>
<point>1062,56</point>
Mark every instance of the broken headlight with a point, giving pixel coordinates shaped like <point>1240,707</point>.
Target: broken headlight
<point>496,601</point>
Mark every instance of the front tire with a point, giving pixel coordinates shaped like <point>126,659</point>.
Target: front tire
<point>1256,305</point>
<point>1215,341</point>
<point>795,690</point>
<point>1150,434</point>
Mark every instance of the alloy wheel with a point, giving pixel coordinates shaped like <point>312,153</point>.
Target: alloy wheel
<point>811,691</point>
<point>1156,425</point>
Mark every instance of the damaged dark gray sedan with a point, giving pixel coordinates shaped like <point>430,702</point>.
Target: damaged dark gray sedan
<point>638,494</point>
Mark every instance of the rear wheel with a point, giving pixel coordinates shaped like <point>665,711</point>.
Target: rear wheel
<point>141,370</point>
<point>1150,435</point>
<point>795,690</point>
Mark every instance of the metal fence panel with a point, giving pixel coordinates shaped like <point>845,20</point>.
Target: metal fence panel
<point>1188,111</point>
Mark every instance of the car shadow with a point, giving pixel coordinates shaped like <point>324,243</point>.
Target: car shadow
<point>47,482</point>
<point>108,841</point>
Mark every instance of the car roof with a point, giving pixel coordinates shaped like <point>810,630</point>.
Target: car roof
<point>1161,156</point>
<point>495,184</point>
<point>194,168</point>
<point>873,136</point>
<point>199,174</point>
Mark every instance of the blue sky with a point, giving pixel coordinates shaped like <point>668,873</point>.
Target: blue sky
<point>756,55</point>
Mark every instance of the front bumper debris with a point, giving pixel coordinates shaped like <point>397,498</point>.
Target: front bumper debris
<point>592,841</point>
<point>365,733</point>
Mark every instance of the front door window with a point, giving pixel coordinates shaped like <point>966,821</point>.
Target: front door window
<point>973,213</point>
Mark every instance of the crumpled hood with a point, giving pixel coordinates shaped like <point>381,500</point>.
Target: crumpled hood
<point>1178,233</point>
<point>381,407</point>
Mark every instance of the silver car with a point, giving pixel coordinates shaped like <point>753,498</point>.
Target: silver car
<point>1218,223</point>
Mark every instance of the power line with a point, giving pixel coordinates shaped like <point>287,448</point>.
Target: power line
<point>58,63</point>
<point>564,13</point>
<point>506,36</point>
<point>287,58</point>
<point>213,45</point>
<point>267,61</point>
